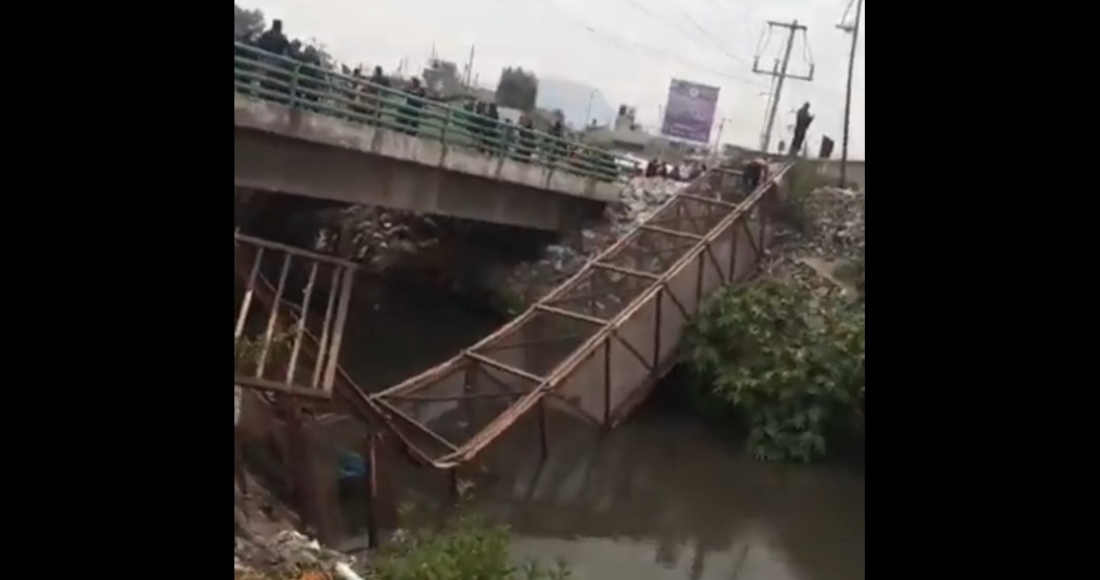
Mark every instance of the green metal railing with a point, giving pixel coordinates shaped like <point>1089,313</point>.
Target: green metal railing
<point>268,76</point>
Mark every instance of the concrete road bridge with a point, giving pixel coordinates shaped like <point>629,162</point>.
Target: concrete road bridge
<point>312,132</point>
<point>589,351</point>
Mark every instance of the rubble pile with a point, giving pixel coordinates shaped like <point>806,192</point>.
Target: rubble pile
<point>380,237</point>
<point>268,547</point>
<point>638,201</point>
<point>831,243</point>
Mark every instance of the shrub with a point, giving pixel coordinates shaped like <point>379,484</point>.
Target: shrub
<point>786,359</point>
<point>467,547</point>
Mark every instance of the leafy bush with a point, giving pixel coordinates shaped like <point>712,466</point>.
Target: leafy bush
<point>467,547</point>
<point>788,360</point>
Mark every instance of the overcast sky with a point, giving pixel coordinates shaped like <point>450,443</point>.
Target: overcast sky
<point>628,49</point>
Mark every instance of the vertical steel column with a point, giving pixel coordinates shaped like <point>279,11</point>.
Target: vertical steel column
<point>372,487</point>
<point>544,438</point>
<point>607,383</point>
<point>660,297</point>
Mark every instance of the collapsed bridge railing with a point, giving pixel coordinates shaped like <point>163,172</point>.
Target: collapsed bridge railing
<point>596,345</point>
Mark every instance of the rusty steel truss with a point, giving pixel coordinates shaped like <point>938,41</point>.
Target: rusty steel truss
<point>270,341</point>
<point>596,345</point>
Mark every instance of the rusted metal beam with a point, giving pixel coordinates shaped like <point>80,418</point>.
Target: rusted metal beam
<point>630,348</point>
<point>249,291</point>
<point>281,388</point>
<point>668,232</point>
<point>451,398</point>
<point>570,314</point>
<point>491,362</point>
<point>338,329</point>
<point>699,198</point>
<point>300,328</point>
<point>537,342</point>
<point>322,345</point>
<point>625,271</point>
<point>503,386</point>
<point>269,333</point>
<point>420,426</point>
<point>238,237</point>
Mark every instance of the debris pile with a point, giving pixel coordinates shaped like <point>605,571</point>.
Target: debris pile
<point>378,237</point>
<point>269,548</point>
<point>638,201</point>
<point>831,242</point>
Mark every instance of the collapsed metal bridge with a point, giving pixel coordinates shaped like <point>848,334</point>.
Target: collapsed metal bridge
<point>596,345</point>
<point>590,350</point>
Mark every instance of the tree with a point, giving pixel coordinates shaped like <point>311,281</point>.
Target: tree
<point>517,89</point>
<point>247,24</point>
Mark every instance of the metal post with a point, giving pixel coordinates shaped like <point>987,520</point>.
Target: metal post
<point>848,99</point>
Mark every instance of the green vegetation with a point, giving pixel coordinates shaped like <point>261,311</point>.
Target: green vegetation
<point>467,547</point>
<point>783,356</point>
<point>786,362</point>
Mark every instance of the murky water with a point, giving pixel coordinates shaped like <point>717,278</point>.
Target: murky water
<point>664,498</point>
<point>660,498</point>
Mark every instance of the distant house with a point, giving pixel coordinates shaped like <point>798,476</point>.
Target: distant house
<point>626,136</point>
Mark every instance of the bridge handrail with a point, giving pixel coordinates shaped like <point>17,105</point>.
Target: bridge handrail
<point>305,86</point>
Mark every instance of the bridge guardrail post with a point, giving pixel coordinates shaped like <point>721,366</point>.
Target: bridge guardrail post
<point>294,74</point>
<point>447,118</point>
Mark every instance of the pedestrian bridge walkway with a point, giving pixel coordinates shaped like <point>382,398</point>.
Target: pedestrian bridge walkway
<point>308,131</point>
<point>595,346</point>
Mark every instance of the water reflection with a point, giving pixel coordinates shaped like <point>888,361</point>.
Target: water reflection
<point>662,498</point>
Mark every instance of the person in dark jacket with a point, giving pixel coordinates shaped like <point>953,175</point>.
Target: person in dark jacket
<point>274,41</point>
<point>801,125</point>
<point>376,96</point>
<point>754,174</point>
<point>414,103</point>
<point>492,128</point>
<point>555,149</point>
<point>526,138</point>
<point>311,79</point>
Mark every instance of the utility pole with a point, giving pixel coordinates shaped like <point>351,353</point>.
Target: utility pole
<point>764,136</point>
<point>470,68</point>
<point>718,138</point>
<point>854,29</point>
<point>792,28</point>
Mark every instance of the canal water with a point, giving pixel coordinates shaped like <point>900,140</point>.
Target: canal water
<point>663,497</point>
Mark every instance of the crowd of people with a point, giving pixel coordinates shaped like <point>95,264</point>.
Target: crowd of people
<point>520,141</point>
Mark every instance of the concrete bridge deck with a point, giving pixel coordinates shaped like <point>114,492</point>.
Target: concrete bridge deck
<point>339,138</point>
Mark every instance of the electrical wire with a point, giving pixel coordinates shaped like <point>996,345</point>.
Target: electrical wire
<point>625,46</point>
<point>762,42</point>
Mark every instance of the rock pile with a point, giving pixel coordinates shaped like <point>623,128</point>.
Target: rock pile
<point>831,242</point>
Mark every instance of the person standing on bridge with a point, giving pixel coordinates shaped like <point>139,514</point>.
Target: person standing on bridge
<point>801,125</point>
<point>492,128</point>
<point>526,138</point>
<point>376,94</point>
<point>274,41</point>
<point>414,102</point>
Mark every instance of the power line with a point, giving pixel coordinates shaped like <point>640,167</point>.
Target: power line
<point>687,34</point>
<point>621,43</point>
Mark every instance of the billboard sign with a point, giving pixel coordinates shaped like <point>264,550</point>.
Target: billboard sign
<point>689,112</point>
